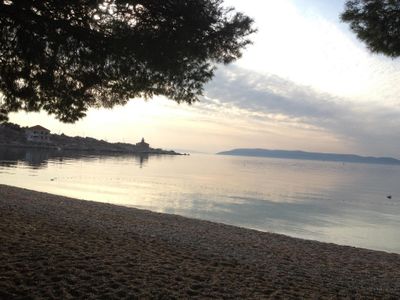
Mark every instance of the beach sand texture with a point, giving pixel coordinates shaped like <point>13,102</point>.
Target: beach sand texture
<point>61,248</point>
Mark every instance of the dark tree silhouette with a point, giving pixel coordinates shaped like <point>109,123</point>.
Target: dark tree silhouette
<point>66,56</point>
<point>377,23</point>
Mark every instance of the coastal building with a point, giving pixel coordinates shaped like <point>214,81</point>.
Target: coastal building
<point>142,146</point>
<point>38,134</point>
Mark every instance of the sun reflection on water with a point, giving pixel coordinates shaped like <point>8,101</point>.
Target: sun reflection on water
<point>326,201</point>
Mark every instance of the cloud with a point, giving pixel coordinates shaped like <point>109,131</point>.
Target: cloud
<point>373,128</point>
<point>304,41</point>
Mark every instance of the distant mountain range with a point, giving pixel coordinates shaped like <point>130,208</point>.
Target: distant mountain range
<point>312,156</point>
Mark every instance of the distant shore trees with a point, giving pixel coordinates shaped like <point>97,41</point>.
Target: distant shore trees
<point>64,57</point>
<point>376,23</point>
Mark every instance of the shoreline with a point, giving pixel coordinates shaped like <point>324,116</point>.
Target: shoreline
<point>62,150</point>
<point>58,247</point>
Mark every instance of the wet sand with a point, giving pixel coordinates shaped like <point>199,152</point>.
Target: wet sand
<point>61,248</point>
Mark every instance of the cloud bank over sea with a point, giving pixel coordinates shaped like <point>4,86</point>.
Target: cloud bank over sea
<point>369,126</point>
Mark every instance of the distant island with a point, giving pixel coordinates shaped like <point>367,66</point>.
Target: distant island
<point>13,135</point>
<point>312,156</point>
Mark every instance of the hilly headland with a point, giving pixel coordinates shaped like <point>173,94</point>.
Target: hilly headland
<point>287,154</point>
<point>38,137</point>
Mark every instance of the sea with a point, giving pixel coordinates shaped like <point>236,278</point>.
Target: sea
<point>344,203</point>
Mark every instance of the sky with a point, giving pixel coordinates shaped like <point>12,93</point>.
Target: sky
<point>306,83</point>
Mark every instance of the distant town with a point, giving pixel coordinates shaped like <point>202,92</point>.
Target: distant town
<point>13,135</point>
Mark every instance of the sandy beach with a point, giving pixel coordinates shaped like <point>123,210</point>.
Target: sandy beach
<point>55,247</point>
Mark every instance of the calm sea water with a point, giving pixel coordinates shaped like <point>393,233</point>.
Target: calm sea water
<point>326,201</point>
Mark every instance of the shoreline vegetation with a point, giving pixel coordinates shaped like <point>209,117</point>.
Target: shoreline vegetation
<point>13,135</point>
<point>57,247</point>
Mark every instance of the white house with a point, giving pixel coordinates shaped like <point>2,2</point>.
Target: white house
<point>38,134</point>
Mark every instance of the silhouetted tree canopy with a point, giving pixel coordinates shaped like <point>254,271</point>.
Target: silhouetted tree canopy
<point>66,56</point>
<point>377,23</point>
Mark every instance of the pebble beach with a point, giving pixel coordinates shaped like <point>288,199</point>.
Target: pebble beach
<point>54,247</point>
